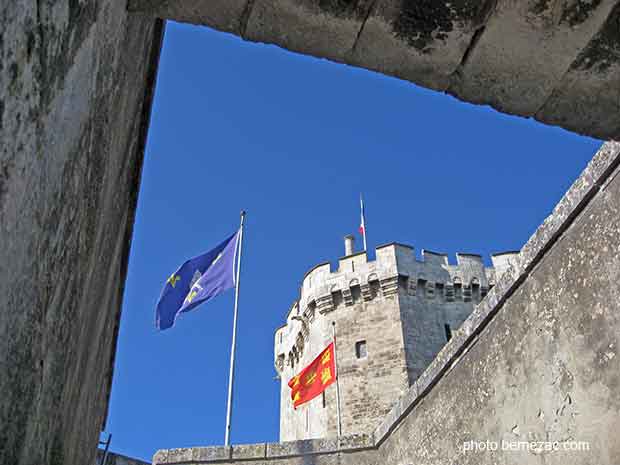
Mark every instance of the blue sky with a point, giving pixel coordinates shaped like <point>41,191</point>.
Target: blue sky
<point>294,140</point>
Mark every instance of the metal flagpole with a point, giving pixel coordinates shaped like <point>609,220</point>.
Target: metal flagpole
<point>363,221</point>
<point>337,381</point>
<point>231,376</point>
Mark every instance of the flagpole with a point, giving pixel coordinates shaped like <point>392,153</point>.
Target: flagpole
<point>337,381</point>
<point>231,376</point>
<point>363,221</point>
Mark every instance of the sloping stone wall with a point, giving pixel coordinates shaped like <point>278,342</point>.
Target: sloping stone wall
<point>537,363</point>
<point>75,89</point>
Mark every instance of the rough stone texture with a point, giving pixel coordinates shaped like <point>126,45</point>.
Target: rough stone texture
<point>590,90</point>
<point>75,91</point>
<point>422,41</point>
<point>536,361</point>
<point>333,24</point>
<point>403,308</point>
<point>554,60</point>
<point>223,15</point>
<point>525,50</point>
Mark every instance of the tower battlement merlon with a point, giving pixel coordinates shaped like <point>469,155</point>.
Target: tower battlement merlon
<point>394,260</point>
<point>504,260</point>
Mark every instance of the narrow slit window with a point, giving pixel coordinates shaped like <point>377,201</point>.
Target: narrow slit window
<point>360,349</point>
<point>448,331</point>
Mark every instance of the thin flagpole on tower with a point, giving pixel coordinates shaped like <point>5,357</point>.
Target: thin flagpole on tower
<point>337,381</point>
<point>363,221</point>
<point>231,376</point>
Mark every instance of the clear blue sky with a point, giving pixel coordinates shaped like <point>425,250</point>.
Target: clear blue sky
<point>294,140</point>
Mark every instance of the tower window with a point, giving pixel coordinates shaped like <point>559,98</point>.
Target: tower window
<point>360,349</point>
<point>448,330</point>
<point>323,400</point>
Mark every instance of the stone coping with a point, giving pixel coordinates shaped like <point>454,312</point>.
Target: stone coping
<point>591,180</point>
<point>506,252</point>
<point>252,452</point>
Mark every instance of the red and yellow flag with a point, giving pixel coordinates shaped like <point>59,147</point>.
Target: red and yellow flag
<point>315,378</point>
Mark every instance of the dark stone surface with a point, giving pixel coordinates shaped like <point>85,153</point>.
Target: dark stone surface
<point>75,90</point>
<point>576,103</point>
<point>422,22</point>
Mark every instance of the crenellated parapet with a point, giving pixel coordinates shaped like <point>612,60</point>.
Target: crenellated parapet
<point>396,268</point>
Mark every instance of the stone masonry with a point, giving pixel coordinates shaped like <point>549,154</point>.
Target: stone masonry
<point>76,83</point>
<point>392,316</point>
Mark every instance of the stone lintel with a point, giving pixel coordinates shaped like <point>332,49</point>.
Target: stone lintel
<point>561,63</point>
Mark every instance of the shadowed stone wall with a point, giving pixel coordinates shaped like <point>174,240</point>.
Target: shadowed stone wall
<point>555,61</point>
<point>75,91</point>
<point>538,359</point>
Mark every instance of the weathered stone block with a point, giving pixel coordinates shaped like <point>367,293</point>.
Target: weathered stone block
<point>421,41</point>
<point>75,95</point>
<point>211,454</point>
<point>249,451</point>
<point>576,103</point>
<point>314,27</point>
<point>525,50</point>
<point>223,15</point>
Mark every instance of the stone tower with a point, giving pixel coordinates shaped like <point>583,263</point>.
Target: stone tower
<point>392,317</point>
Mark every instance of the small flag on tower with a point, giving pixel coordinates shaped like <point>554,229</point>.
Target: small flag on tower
<point>363,221</point>
<point>315,378</point>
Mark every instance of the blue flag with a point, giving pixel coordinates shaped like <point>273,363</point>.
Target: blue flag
<point>196,281</point>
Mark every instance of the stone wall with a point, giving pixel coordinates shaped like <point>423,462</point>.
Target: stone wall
<point>536,361</point>
<point>76,79</point>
